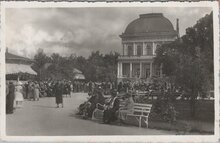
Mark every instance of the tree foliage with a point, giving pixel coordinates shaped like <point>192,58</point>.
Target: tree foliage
<point>190,59</point>
<point>97,67</point>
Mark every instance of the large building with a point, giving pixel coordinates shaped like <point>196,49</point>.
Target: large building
<point>140,40</point>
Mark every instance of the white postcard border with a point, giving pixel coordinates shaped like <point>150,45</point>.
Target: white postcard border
<point>141,138</point>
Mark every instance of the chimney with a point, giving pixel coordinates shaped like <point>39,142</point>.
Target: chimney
<point>177,27</point>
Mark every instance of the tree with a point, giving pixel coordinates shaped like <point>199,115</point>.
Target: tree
<point>190,60</point>
<point>40,59</point>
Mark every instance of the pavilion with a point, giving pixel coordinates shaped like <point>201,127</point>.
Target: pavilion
<point>18,67</point>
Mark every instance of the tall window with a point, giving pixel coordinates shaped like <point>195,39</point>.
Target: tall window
<point>136,70</point>
<point>125,69</point>
<point>145,70</point>
<point>130,50</point>
<point>139,50</point>
<point>149,48</point>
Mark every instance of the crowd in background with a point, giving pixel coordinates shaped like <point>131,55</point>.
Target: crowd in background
<point>34,90</point>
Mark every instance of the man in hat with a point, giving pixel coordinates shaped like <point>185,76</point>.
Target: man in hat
<point>10,98</point>
<point>109,114</point>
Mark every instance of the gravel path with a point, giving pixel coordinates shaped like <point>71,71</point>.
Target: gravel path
<point>42,118</point>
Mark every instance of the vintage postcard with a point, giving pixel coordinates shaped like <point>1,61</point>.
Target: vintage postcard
<point>110,72</point>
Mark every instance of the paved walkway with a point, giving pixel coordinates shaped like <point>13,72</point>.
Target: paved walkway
<point>42,118</point>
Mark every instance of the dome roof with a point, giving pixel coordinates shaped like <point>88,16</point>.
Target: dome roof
<point>154,23</point>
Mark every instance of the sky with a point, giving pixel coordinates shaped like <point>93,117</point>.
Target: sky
<point>80,31</point>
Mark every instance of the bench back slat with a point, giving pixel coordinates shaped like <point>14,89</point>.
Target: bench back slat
<point>142,109</point>
<point>142,105</point>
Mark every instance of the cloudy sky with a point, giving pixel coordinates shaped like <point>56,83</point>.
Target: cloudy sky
<point>80,30</point>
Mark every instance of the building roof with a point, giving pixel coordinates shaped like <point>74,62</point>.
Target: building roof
<point>19,68</point>
<point>12,58</point>
<point>76,71</point>
<point>152,23</point>
<point>15,57</point>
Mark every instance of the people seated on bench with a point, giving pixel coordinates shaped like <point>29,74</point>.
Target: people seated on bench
<point>110,108</point>
<point>86,109</point>
<point>127,108</point>
<point>98,98</point>
<point>82,107</point>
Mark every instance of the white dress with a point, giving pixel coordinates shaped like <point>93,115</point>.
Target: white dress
<point>18,93</point>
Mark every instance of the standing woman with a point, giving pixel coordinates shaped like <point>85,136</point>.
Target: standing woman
<point>59,93</point>
<point>36,91</point>
<point>30,88</point>
<point>18,95</point>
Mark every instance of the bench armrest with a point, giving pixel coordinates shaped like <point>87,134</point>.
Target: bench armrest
<point>98,104</point>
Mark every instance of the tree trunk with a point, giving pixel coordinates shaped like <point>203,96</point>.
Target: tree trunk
<point>193,104</point>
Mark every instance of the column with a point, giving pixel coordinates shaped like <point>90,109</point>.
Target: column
<point>123,46</point>
<point>153,48</point>
<point>130,70</point>
<point>134,49</point>
<point>141,70</point>
<point>151,69</point>
<point>144,48</point>
<point>118,71</point>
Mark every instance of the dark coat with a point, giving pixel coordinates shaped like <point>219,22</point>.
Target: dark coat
<point>59,93</point>
<point>10,98</point>
<point>109,114</point>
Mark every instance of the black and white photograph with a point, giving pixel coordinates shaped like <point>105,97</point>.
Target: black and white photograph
<point>110,70</point>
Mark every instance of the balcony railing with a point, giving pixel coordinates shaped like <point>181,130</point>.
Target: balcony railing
<point>121,57</point>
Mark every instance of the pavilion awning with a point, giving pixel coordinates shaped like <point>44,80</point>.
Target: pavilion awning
<point>19,68</point>
<point>79,76</point>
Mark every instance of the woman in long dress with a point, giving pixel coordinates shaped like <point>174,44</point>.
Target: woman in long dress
<point>18,95</point>
<point>36,92</point>
<point>59,94</point>
<point>129,104</point>
<point>30,90</point>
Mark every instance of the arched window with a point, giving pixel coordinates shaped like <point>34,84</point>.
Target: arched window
<point>130,50</point>
<point>139,50</point>
<point>149,48</point>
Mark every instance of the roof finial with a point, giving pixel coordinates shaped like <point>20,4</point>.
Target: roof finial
<point>177,27</point>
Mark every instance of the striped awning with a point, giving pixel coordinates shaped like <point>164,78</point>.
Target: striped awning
<point>19,68</point>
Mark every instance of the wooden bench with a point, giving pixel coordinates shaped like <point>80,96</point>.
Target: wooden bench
<point>140,111</point>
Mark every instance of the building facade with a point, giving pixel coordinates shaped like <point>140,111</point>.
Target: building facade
<point>140,40</point>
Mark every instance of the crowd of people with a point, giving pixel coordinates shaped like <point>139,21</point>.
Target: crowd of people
<point>33,90</point>
<point>147,87</point>
<point>17,91</point>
